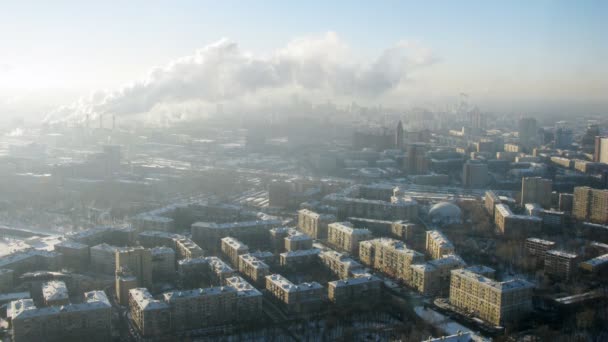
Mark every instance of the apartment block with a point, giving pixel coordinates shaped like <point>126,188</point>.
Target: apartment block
<point>253,268</point>
<point>90,320</point>
<point>344,237</point>
<point>536,190</point>
<point>249,299</point>
<point>163,263</point>
<point>150,316</point>
<point>590,205</point>
<point>199,308</point>
<point>103,258</point>
<point>233,248</point>
<point>188,249</point>
<point>299,258</point>
<point>492,301</point>
<point>537,247</point>
<point>515,225</point>
<point>560,264</point>
<point>490,200</point>
<point>74,255</point>
<point>305,297</point>
<point>314,224</point>
<point>390,256</point>
<point>253,233</point>
<point>340,264</point>
<point>297,241</point>
<point>354,290</point>
<point>139,261</point>
<point>437,245</point>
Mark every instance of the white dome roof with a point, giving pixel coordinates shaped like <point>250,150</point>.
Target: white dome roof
<point>445,210</point>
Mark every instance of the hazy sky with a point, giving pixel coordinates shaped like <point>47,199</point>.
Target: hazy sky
<point>508,55</point>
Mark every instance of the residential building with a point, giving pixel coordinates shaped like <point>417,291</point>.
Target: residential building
<point>253,268</point>
<point>163,263</point>
<point>536,190</point>
<point>233,248</point>
<point>305,297</point>
<point>590,205</point>
<point>314,224</point>
<point>151,316</point>
<point>560,264</point>
<point>139,261</point>
<point>354,290</point>
<point>90,320</point>
<point>492,301</point>
<point>515,225</point>
<point>437,245</point>
<point>297,241</point>
<point>346,238</point>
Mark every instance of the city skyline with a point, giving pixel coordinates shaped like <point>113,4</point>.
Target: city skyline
<point>540,58</point>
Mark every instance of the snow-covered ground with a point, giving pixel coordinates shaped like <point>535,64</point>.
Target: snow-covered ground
<point>12,245</point>
<point>448,326</point>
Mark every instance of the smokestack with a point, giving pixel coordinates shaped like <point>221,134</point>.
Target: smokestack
<point>100,121</point>
<point>113,122</point>
<point>87,122</point>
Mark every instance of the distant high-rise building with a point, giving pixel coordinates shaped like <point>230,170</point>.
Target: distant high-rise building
<point>474,174</point>
<point>417,162</point>
<point>536,190</point>
<point>590,204</point>
<point>588,140</point>
<point>563,138</point>
<point>528,132</point>
<point>399,136</point>
<point>600,154</point>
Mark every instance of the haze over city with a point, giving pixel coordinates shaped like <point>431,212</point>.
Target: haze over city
<point>64,58</point>
<point>304,171</point>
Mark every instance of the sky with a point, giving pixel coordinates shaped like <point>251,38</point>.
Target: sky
<point>138,56</point>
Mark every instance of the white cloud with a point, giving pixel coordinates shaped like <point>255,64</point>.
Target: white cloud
<point>223,72</point>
